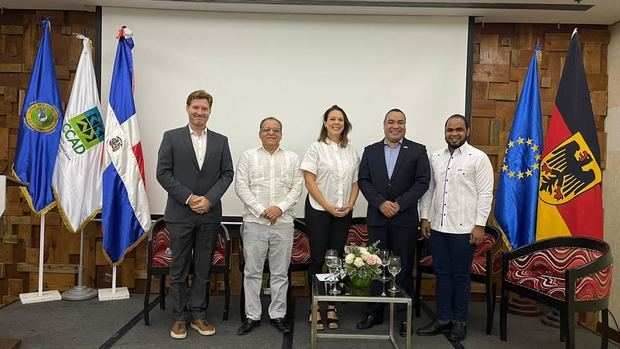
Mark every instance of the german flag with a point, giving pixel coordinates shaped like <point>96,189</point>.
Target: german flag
<point>569,191</point>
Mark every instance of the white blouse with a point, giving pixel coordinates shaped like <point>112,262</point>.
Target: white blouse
<point>336,170</point>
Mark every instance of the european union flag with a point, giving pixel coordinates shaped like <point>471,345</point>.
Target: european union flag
<point>517,193</point>
<point>39,129</point>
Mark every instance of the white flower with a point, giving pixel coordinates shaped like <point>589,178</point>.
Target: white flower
<point>365,254</point>
<point>363,250</point>
<point>349,258</point>
<point>358,262</point>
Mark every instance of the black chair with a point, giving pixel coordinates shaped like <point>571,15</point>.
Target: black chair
<point>485,268</point>
<point>571,274</point>
<point>300,260</point>
<point>159,258</point>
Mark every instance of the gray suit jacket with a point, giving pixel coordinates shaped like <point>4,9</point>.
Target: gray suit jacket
<point>179,174</point>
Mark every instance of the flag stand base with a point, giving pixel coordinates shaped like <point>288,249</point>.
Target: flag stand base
<point>79,293</point>
<point>111,294</point>
<point>523,306</point>
<point>551,319</point>
<point>35,297</point>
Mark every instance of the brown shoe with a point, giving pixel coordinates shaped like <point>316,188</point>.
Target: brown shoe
<point>178,330</point>
<point>203,327</point>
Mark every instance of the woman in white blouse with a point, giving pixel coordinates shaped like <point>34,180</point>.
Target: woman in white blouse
<point>330,169</point>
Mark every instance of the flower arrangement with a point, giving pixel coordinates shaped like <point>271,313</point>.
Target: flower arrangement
<point>362,261</point>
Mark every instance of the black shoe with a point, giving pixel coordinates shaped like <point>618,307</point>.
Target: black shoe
<point>368,322</point>
<point>403,329</point>
<point>247,326</point>
<point>280,325</point>
<point>434,329</point>
<point>458,332</point>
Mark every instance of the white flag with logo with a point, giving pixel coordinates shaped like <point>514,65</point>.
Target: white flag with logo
<point>78,169</point>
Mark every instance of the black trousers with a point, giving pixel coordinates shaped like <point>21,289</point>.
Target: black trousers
<point>452,257</point>
<point>324,232</point>
<point>191,243</point>
<point>402,242</point>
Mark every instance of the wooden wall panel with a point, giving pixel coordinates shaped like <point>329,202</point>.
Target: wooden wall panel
<point>497,83</point>
<point>19,239</point>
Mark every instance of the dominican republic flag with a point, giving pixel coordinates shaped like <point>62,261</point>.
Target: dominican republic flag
<point>39,129</point>
<point>125,211</point>
<point>570,194</point>
<point>77,175</point>
<point>517,192</point>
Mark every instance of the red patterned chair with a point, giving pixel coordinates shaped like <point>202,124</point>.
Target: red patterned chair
<point>300,260</point>
<point>159,258</point>
<point>571,274</point>
<point>486,268</point>
<point>358,232</point>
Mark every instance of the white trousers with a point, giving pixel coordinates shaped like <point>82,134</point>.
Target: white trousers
<point>259,242</point>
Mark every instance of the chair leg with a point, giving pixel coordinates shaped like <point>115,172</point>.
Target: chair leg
<point>562,326</point>
<point>489,296</point>
<point>162,292</point>
<point>147,293</point>
<point>605,328</point>
<point>503,315</point>
<point>226,295</point>
<point>418,289</point>
<point>494,303</point>
<point>288,289</point>
<point>242,301</point>
<point>208,295</point>
<point>570,330</point>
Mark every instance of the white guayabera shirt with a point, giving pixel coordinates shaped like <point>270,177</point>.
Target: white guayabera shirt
<point>264,180</point>
<point>460,192</point>
<point>336,170</point>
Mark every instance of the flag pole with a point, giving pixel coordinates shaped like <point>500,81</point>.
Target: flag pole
<point>40,295</point>
<point>80,292</point>
<point>114,279</point>
<point>41,251</point>
<point>114,293</point>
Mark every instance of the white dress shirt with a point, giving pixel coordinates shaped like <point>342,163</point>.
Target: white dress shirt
<point>460,192</point>
<point>264,180</point>
<point>199,141</point>
<point>336,170</point>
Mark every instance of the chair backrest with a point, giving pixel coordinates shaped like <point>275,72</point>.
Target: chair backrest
<point>300,253</point>
<point>220,255</point>
<point>301,247</point>
<point>159,249</point>
<point>358,234</point>
<point>554,261</point>
<point>159,238</point>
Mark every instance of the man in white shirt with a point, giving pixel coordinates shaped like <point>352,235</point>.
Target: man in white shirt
<point>453,214</point>
<point>269,183</point>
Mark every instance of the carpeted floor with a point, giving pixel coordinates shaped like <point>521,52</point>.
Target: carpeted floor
<point>119,324</point>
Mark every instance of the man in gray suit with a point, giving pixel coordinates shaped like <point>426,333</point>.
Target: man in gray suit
<point>195,167</point>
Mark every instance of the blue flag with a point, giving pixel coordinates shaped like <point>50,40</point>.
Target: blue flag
<point>517,192</point>
<point>125,213</point>
<point>39,129</point>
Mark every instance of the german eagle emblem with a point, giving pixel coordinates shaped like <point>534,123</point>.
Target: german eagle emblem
<point>567,171</point>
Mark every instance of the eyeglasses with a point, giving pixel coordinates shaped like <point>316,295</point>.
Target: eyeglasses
<point>270,129</point>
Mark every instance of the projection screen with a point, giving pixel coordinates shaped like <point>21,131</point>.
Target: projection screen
<point>293,67</point>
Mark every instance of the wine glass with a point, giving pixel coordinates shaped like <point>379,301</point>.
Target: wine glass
<point>394,268</point>
<point>335,268</point>
<point>331,256</point>
<point>385,260</point>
